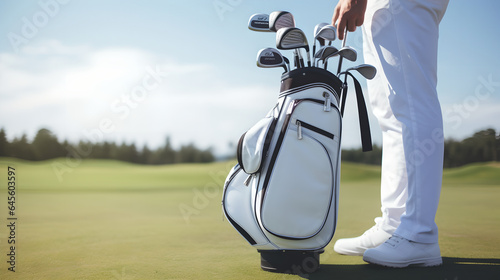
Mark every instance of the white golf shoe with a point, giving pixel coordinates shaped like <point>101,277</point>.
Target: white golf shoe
<point>401,252</point>
<point>358,245</point>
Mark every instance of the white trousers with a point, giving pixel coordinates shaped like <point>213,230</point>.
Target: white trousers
<point>401,40</point>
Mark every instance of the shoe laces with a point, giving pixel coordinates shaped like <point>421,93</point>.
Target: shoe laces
<point>394,240</point>
<point>370,230</point>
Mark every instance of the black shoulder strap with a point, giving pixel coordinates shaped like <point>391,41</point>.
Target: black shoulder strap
<point>364,125</point>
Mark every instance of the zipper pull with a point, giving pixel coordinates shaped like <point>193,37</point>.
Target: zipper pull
<point>299,130</point>
<point>327,107</point>
<point>248,180</point>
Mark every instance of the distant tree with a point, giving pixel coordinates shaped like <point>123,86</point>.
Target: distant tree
<point>99,150</point>
<point>127,153</point>
<point>167,154</point>
<point>145,155</point>
<point>46,146</point>
<point>132,153</point>
<point>163,155</point>
<point>483,146</point>
<point>497,147</point>
<point>106,150</point>
<point>4,144</point>
<point>20,148</point>
<point>187,154</point>
<point>207,155</point>
<point>190,154</point>
<point>357,155</point>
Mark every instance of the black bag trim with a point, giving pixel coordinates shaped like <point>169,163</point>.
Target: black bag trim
<point>238,150</point>
<point>364,124</point>
<point>309,75</point>
<point>315,85</point>
<point>243,232</point>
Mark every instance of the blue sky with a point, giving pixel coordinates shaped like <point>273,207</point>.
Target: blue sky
<point>137,71</point>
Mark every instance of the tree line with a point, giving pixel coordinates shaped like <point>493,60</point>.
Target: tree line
<point>482,146</point>
<point>46,146</point>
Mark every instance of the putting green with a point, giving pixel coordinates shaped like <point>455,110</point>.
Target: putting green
<point>111,220</point>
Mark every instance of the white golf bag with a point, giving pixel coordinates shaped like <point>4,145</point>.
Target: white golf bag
<point>282,196</point>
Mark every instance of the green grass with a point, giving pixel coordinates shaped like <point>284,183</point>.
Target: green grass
<point>112,220</point>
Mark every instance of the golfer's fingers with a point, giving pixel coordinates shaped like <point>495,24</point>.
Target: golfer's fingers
<point>360,20</point>
<point>336,14</point>
<point>351,25</point>
<point>341,26</point>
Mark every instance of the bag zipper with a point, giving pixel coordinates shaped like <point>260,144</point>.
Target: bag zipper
<point>311,127</point>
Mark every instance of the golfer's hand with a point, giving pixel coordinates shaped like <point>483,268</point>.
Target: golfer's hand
<point>348,14</point>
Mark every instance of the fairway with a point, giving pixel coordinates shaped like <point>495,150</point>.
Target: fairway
<point>113,220</point>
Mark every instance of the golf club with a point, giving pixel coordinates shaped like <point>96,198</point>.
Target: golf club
<point>326,33</point>
<point>271,58</point>
<point>366,70</point>
<point>280,19</point>
<point>321,41</point>
<point>324,52</point>
<point>343,45</point>
<point>293,38</point>
<point>259,22</point>
<point>345,52</point>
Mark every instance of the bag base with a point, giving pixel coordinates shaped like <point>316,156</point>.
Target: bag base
<point>290,261</point>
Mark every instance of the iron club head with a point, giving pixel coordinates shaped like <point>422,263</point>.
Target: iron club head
<point>280,19</point>
<point>271,58</point>
<point>292,38</point>
<point>366,70</point>
<point>259,22</point>
<point>325,52</point>
<point>327,32</point>
<point>348,53</point>
<point>317,28</point>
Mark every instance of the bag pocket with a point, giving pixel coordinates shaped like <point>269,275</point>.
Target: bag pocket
<point>300,190</point>
<point>254,144</point>
<point>237,204</point>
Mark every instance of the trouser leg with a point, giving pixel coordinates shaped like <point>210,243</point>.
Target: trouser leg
<point>401,41</point>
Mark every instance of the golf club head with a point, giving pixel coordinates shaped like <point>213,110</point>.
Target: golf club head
<point>317,28</point>
<point>280,19</point>
<point>291,38</point>
<point>325,52</point>
<point>288,38</point>
<point>270,58</point>
<point>366,70</point>
<point>259,22</point>
<point>327,32</point>
<point>347,53</point>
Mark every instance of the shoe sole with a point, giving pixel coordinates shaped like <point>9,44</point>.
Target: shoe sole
<point>348,253</point>
<point>415,263</point>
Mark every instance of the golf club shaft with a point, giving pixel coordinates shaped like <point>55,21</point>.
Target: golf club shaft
<point>343,45</point>
<point>296,59</point>
<point>344,94</point>
<point>301,59</point>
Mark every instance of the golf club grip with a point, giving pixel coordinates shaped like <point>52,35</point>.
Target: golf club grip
<point>343,45</point>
